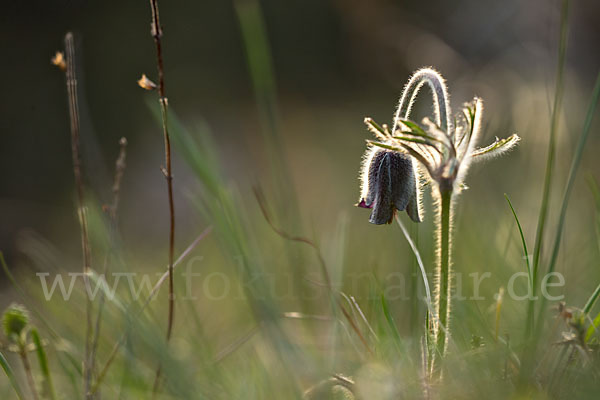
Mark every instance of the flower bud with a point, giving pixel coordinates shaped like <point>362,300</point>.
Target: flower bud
<point>389,185</point>
<point>15,320</point>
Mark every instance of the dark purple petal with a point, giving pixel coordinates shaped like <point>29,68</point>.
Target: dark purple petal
<point>391,186</point>
<point>373,176</point>
<point>403,180</point>
<point>383,209</point>
<point>412,209</point>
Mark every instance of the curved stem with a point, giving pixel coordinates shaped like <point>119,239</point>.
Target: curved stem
<point>441,104</point>
<point>443,272</point>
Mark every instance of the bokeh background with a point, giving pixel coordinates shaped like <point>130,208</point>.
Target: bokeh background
<point>333,63</point>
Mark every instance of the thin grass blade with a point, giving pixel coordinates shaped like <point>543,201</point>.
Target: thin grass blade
<point>558,94</point>
<point>523,242</point>
<point>592,328</point>
<point>591,301</point>
<point>391,323</point>
<point>48,386</point>
<point>531,306</point>
<point>596,192</point>
<point>11,376</point>
<point>571,179</point>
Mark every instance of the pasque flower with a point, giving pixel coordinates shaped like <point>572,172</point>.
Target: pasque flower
<point>444,148</point>
<point>404,159</point>
<point>389,184</point>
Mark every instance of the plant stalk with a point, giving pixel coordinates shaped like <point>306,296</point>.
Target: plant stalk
<point>156,31</point>
<point>443,271</point>
<point>71,79</point>
<point>28,373</point>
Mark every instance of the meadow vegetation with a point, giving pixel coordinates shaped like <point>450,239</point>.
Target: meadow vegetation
<point>472,293</point>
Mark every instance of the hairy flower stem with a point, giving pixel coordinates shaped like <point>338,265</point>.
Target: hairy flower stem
<point>443,271</point>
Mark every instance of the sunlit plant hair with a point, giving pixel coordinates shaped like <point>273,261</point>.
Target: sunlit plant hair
<point>441,151</point>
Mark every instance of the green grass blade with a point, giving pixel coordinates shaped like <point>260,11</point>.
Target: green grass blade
<point>257,48</point>
<point>558,94</point>
<point>570,182</point>
<point>573,171</point>
<point>11,376</point>
<point>592,328</point>
<point>591,301</point>
<point>258,57</point>
<point>530,351</point>
<point>48,387</point>
<point>523,242</point>
<point>72,378</point>
<point>197,149</point>
<point>530,309</point>
<point>596,192</point>
<point>390,320</point>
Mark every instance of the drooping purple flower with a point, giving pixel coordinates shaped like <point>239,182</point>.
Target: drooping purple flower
<point>389,185</point>
<point>408,156</point>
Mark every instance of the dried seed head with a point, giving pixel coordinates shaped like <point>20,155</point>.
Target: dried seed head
<point>146,83</point>
<point>59,61</point>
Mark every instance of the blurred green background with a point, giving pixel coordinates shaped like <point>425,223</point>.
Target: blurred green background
<point>333,62</point>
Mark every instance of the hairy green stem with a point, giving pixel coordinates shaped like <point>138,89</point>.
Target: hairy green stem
<point>443,271</point>
<point>441,106</point>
